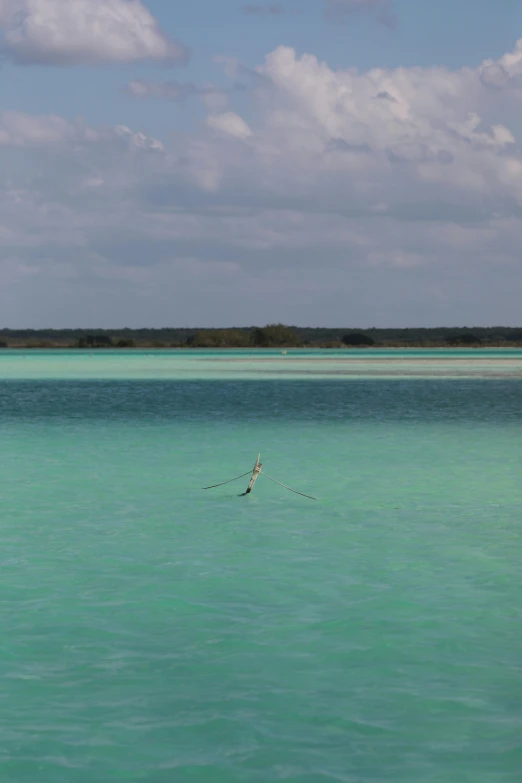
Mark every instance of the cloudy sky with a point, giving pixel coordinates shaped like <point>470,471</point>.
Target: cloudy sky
<point>212,163</point>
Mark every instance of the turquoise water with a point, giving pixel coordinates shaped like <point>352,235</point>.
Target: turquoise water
<point>244,364</point>
<point>155,632</point>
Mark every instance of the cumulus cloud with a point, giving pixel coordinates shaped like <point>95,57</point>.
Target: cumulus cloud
<point>18,129</point>
<point>494,75</point>
<point>22,130</point>
<point>392,196</point>
<point>505,72</point>
<point>230,124</point>
<point>86,32</point>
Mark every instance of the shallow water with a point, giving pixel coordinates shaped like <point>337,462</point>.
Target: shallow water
<point>260,364</point>
<point>155,632</point>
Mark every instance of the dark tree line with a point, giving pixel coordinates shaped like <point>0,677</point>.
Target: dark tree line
<point>270,336</point>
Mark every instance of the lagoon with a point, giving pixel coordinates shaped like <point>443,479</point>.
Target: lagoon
<point>155,632</point>
<point>262,364</point>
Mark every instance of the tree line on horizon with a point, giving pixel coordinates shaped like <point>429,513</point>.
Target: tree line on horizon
<point>270,336</point>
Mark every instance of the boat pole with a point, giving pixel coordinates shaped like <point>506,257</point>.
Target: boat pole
<point>255,474</point>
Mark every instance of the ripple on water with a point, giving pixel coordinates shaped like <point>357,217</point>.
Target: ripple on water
<point>154,632</point>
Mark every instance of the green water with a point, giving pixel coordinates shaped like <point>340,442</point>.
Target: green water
<point>155,632</point>
<point>258,364</point>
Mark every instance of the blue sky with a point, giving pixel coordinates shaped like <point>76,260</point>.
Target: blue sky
<point>358,167</point>
<point>454,33</point>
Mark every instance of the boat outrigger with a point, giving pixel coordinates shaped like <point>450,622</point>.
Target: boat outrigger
<point>254,475</point>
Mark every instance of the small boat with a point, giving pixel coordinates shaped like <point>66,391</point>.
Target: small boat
<point>254,475</point>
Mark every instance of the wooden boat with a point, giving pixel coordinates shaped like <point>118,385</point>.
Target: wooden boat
<point>254,475</point>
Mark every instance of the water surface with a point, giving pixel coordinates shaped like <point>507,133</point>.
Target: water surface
<point>155,632</point>
<point>260,364</point>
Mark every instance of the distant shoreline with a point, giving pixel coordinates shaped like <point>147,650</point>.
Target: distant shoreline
<point>272,336</point>
<point>262,349</point>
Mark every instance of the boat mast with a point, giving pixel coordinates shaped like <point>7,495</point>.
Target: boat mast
<point>255,474</point>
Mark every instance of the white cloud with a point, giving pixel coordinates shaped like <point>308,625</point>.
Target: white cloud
<point>18,129</point>
<point>494,75</point>
<point>230,124</point>
<point>385,197</point>
<point>322,125</point>
<point>512,61</point>
<point>72,32</point>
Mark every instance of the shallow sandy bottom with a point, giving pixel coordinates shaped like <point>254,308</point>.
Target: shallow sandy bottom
<point>238,365</point>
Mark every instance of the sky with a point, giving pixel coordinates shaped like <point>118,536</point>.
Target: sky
<point>348,163</point>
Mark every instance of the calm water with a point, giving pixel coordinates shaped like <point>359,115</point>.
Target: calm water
<point>155,632</point>
<point>257,364</point>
